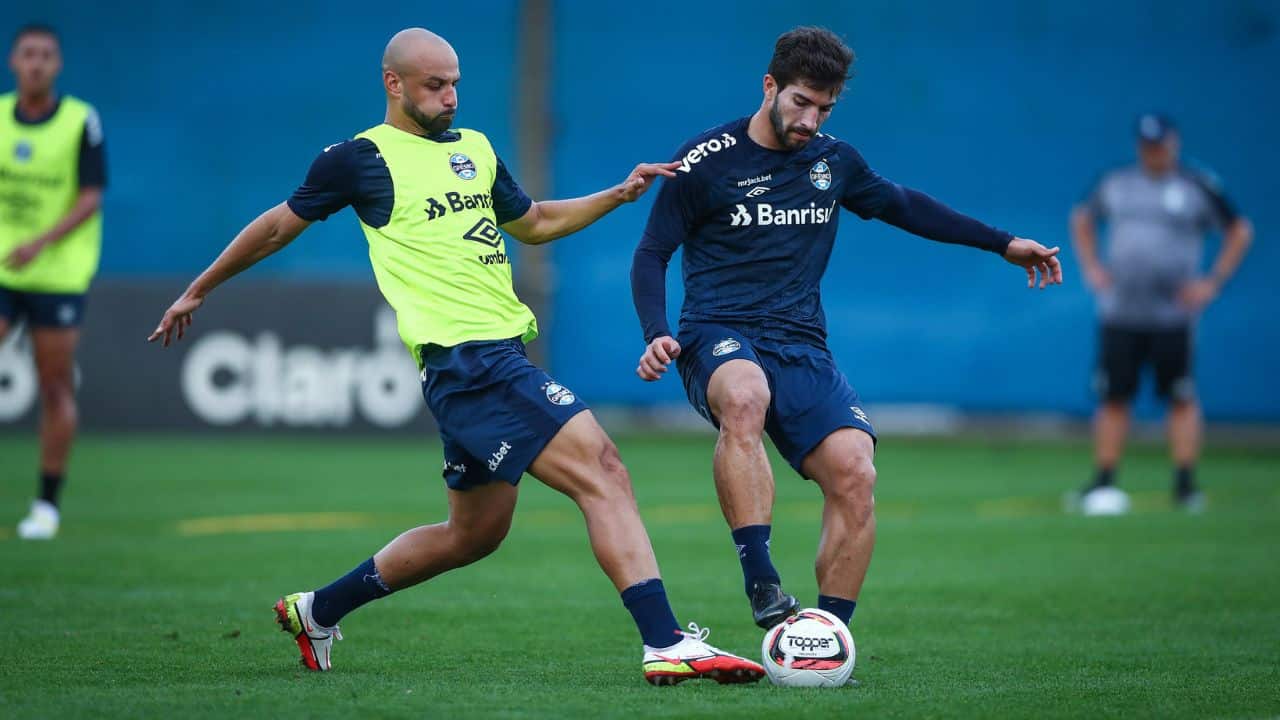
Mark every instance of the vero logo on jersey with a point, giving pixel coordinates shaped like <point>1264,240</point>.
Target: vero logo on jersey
<point>767,214</point>
<point>703,149</point>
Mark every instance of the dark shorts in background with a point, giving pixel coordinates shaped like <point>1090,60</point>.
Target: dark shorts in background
<point>1123,352</point>
<point>41,310</point>
<point>810,397</point>
<point>496,410</point>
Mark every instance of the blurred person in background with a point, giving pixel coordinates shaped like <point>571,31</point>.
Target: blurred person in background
<point>52,174</point>
<point>1150,292</point>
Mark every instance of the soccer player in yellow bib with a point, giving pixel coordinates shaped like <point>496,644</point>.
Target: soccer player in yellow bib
<point>431,201</point>
<point>52,172</point>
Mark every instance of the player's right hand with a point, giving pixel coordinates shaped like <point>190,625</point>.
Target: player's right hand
<point>660,353</point>
<point>176,319</point>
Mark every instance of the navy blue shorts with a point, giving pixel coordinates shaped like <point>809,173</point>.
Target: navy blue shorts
<point>810,397</point>
<point>496,410</point>
<point>42,310</point>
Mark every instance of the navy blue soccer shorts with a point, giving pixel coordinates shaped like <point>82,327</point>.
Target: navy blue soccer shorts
<point>41,310</point>
<point>810,397</point>
<point>496,410</point>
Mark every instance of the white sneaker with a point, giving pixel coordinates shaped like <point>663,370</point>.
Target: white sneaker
<point>293,613</point>
<point>41,523</point>
<point>1102,501</point>
<point>691,658</point>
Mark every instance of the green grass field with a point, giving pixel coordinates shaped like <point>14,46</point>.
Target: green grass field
<point>984,599</point>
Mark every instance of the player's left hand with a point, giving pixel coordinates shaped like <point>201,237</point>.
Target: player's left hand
<point>1197,294</point>
<point>176,319</point>
<point>642,177</point>
<point>23,255</point>
<point>1035,257</point>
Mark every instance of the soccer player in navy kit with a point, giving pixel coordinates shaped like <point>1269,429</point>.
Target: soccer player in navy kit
<point>755,202</point>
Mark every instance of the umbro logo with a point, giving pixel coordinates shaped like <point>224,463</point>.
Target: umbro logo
<point>740,216</point>
<point>757,191</point>
<point>484,232</point>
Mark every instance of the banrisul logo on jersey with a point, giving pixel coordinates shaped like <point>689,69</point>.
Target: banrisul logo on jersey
<point>457,202</point>
<point>462,166</point>
<point>820,175</point>
<point>767,214</point>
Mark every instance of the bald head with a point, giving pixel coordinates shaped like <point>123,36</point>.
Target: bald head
<point>413,50</point>
<point>420,74</point>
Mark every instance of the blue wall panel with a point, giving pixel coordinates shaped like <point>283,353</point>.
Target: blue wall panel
<point>213,113</point>
<point>1006,110</point>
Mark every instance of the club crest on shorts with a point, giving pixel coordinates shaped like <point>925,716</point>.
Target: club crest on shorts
<point>726,346</point>
<point>820,175</point>
<point>462,166</point>
<point>558,394</point>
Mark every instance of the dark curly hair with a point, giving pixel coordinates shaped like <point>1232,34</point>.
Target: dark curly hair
<point>813,56</point>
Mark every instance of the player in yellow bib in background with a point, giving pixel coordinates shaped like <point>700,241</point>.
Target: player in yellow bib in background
<point>52,173</point>
<point>431,200</point>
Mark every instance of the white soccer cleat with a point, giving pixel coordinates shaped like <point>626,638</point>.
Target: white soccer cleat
<point>1102,501</point>
<point>293,613</point>
<point>692,658</point>
<point>41,523</point>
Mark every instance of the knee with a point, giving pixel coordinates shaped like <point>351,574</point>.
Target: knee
<point>606,478</point>
<point>852,483</point>
<point>56,389</point>
<point>473,543</point>
<point>742,410</point>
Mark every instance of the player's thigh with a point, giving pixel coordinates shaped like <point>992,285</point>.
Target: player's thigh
<point>54,351</point>
<point>1121,355</point>
<point>720,370</point>
<point>580,459</point>
<point>1172,355</point>
<point>843,462</point>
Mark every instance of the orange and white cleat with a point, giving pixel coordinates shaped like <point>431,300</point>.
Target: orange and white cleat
<point>693,659</point>
<point>293,613</point>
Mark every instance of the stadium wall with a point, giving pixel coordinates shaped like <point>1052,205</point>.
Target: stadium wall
<point>1006,110</point>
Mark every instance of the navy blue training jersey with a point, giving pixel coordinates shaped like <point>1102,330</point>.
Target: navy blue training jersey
<point>758,226</point>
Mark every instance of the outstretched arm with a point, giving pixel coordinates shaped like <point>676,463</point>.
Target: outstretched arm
<point>549,220</point>
<point>919,214</point>
<point>269,232</point>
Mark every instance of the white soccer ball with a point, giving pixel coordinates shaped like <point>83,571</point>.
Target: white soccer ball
<point>1105,501</point>
<point>810,649</point>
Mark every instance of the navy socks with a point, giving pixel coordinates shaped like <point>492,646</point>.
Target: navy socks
<point>647,601</point>
<point>347,593</point>
<point>753,553</point>
<point>839,607</point>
